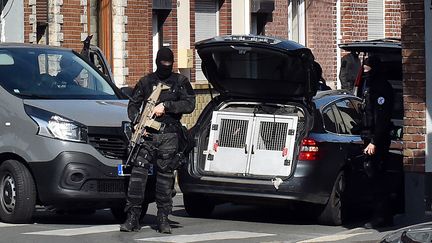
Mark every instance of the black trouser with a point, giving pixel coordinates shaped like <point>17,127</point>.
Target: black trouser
<point>380,183</point>
<point>161,149</point>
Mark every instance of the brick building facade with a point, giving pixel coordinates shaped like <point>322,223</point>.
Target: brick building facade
<point>416,89</point>
<point>132,38</point>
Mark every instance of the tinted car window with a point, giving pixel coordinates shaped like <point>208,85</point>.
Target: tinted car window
<point>339,121</point>
<point>329,119</point>
<point>350,116</point>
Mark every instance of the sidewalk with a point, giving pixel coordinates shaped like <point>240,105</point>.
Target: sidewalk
<point>376,235</point>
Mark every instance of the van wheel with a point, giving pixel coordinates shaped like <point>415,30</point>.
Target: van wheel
<point>332,214</point>
<point>197,205</point>
<point>120,215</point>
<point>17,193</point>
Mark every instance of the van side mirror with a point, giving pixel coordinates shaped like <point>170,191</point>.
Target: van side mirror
<point>127,91</point>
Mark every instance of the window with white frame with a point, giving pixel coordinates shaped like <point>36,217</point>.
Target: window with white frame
<point>296,21</point>
<point>206,26</point>
<point>376,19</point>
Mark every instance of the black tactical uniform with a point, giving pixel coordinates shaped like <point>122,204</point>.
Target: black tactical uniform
<point>378,100</point>
<point>160,147</point>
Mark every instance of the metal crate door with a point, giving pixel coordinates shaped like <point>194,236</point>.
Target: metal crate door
<point>273,145</point>
<point>229,142</point>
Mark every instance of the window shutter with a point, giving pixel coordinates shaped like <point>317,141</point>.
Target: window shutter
<point>42,11</point>
<point>205,27</point>
<point>376,19</point>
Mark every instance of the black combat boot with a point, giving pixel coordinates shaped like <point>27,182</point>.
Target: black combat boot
<point>132,221</point>
<point>163,223</point>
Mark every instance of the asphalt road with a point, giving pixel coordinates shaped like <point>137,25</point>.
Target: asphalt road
<point>230,223</point>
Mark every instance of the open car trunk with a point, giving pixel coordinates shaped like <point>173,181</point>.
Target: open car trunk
<point>251,140</point>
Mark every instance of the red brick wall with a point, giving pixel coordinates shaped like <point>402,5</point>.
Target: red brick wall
<point>279,26</point>
<point>414,85</point>
<point>392,19</point>
<point>27,26</point>
<point>225,26</point>
<point>140,43</point>
<point>72,26</point>
<point>354,20</point>
<point>321,34</point>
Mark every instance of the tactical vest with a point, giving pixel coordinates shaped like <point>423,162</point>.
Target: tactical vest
<point>173,94</point>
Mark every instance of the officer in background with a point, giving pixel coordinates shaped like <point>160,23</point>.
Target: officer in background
<point>322,84</point>
<point>378,106</point>
<point>160,147</point>
<point>350,66</point>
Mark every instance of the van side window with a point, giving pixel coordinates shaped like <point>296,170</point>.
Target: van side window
<point>329,119</point>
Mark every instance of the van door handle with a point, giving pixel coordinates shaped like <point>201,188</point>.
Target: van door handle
<point>252,152</point>
<point>245,148</point>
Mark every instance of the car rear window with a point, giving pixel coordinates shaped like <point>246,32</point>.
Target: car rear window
<point>350,116</point>
<point>329,119</point>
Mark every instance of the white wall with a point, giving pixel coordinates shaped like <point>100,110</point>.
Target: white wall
<point>12,22</point>
<point>428,64</point>
<point>183,24</point>
<point>241,19</point>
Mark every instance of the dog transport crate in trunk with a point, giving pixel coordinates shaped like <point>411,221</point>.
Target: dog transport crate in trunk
<point>251,144</point>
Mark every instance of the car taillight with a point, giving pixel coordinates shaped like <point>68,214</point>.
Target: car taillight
<point>309,149</point>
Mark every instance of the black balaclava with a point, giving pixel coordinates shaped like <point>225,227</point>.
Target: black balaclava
<point>375,63</point>
<point>163,71</point>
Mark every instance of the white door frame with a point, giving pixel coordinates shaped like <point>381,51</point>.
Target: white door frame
<point>428,66</point>
<point>155,39</point>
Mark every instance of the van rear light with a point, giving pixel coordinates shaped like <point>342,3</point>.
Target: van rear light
<point>309,149</point>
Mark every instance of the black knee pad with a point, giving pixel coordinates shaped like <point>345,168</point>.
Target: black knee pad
<point>137,184</point>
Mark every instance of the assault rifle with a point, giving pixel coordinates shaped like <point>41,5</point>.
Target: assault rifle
<point>145,120</point>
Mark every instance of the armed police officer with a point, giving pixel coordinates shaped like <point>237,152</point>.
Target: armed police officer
<point>378,105</point>
<point>160,147</point>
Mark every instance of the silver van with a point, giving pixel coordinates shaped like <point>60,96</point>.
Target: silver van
<point>63,132</point>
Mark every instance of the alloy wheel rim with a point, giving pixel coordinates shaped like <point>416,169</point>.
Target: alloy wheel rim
<point>8,193</point>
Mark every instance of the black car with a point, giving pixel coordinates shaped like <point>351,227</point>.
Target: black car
<point>269,136</point>
<point>412,234</point>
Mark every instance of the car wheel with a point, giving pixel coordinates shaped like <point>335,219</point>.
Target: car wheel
<point>120,215</point>
<point>332,214</point>
<point>17,193</point>
<point>197,205</point>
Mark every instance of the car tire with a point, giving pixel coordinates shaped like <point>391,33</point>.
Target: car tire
<point>333,212</point>
<point>197,205</point>
<point>17,193</point>
<point>120,215</point>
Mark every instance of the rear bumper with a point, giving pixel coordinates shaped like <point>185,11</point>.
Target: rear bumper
<point>79,179</point>
<point>306,185</point>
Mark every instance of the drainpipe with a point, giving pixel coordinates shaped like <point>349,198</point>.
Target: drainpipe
<point>428,65</point>
<point>1,21</point>
<point>338,41</point>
